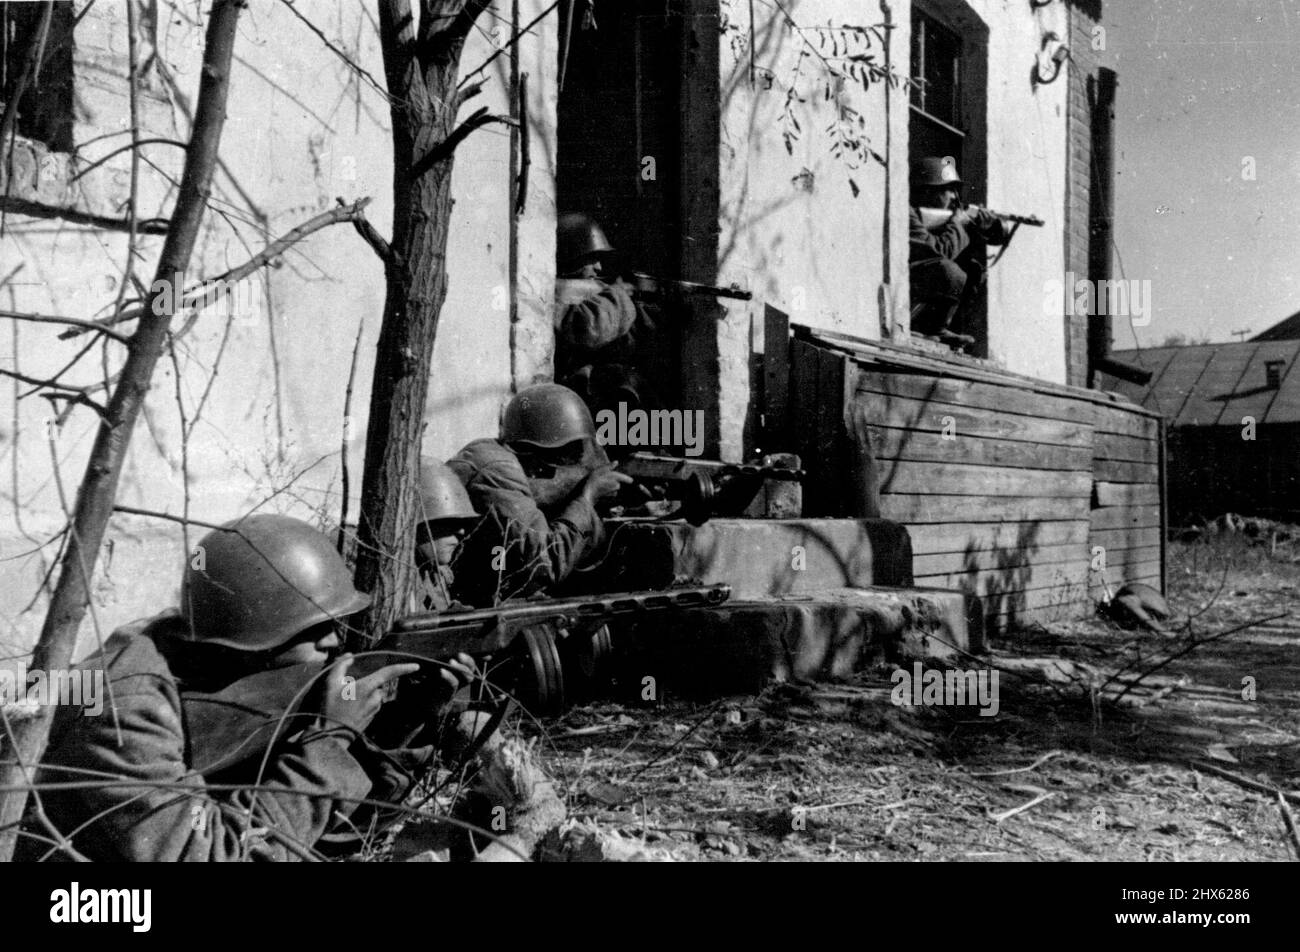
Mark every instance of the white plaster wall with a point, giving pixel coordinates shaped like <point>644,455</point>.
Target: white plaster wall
<point>792,230</point>
<point>302,129</point>
<point>1026,174</point>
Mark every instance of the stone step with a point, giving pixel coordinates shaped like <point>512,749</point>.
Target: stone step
<point>747,642</point>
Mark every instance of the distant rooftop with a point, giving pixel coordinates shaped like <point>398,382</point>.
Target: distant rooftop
<point>1216,384</point>
<point>1288,329</point>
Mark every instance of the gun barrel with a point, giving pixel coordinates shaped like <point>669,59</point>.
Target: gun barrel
<point>1021,219</point>
<point>652,285</point>
<point>567,610</point>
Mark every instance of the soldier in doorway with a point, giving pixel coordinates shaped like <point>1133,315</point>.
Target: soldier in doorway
<point>942,232</point>
<point>604,336</point>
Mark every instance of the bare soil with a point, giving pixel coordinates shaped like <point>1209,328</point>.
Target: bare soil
<point>1127,768</point>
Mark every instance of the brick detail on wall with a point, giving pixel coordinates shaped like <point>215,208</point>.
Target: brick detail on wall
<point>1084,61</point>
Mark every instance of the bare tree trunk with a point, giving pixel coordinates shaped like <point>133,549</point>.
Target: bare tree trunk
<point>99,486</point>
<point>421,66</point>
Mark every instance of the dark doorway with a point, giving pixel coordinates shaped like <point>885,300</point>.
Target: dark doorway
<point>619,144</point>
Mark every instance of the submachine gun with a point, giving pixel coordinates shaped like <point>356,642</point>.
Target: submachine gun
<point>704,488</point>
<point>229,727</point>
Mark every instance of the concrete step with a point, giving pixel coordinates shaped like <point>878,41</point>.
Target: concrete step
<point>758,558</point>
<point>741,645</point>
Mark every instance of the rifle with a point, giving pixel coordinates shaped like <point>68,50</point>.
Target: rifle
<point>233,727</point>
<point>705,487</point>
<point>935,218</point>
<point>650,286</point>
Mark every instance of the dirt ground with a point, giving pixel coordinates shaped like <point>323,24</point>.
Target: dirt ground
<point>1113,772</point>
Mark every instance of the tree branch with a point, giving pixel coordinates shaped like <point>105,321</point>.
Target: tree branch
<point>125,148</point>
<point>72,321</point>
<point>371,236</point>
<point>443,150</point>
<point>21,206</point>
<point>98,489</point>
<point>201,294</point>
<point>439,42</point>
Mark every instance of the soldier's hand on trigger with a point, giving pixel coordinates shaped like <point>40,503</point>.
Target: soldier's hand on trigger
<point>355,704</point>
<point>603,482</point>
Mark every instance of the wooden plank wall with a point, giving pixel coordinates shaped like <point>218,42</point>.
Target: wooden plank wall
<point>992,483</point>
<point>1126,539</point>
<point>1005,491</point>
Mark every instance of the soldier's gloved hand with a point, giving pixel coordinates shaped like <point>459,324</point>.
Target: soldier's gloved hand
<point>354,703</point>
<point>602,483</point>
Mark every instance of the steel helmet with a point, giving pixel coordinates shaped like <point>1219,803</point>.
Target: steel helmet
<point>257,582</point>
<point>547,415</point>
<point>936,170</point>
<point>442,495</point>
<point>578,237</point>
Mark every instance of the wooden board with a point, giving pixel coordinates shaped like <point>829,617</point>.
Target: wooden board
<point>939,417</point>
<point>1025,578</point>
<point>996,560</point>
<point>915,508</point>
<point>1120,422</point>
<point>967,393</point>
<point>981,481</point>
<point>1134,448</point>
<point>1125,517</point>
<point>932,539</point>
<point>1126,494</point>
<point>1126,538</point>
<point>1124,471</point>
<point>1142,554</point>
<point>888,443</point>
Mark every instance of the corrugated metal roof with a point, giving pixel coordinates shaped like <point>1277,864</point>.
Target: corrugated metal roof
<point>1215,384</point>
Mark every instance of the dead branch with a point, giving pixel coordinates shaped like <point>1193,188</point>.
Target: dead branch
<point>125,148</point>
<point>95,497</point>
<point>347,431</point>
<point>521,180</point>
<point>329,45</point>
<point>371,236</point>
<point>1192,646</point>
<point>1241,781</point>
<point>1289,820</point>
<point>21,206</point>
<point>510,44</point>
<point>69,321</point>
<point>202,294</point>
<point>444,149</point>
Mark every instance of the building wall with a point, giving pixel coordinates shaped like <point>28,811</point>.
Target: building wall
<point>1084,61</point>
<point>823,236</point>
<point>302,129</point>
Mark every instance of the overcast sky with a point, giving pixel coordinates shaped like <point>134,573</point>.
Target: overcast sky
<point>1204,84</point>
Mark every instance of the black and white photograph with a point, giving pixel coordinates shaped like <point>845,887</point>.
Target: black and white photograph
<point>652,431</point>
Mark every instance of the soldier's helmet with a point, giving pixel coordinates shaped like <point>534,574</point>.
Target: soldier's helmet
<point>257,582</point>
<point>578,238</point>
<point>547,415</point>
<point>936,170</point>
<point>443,499</point>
